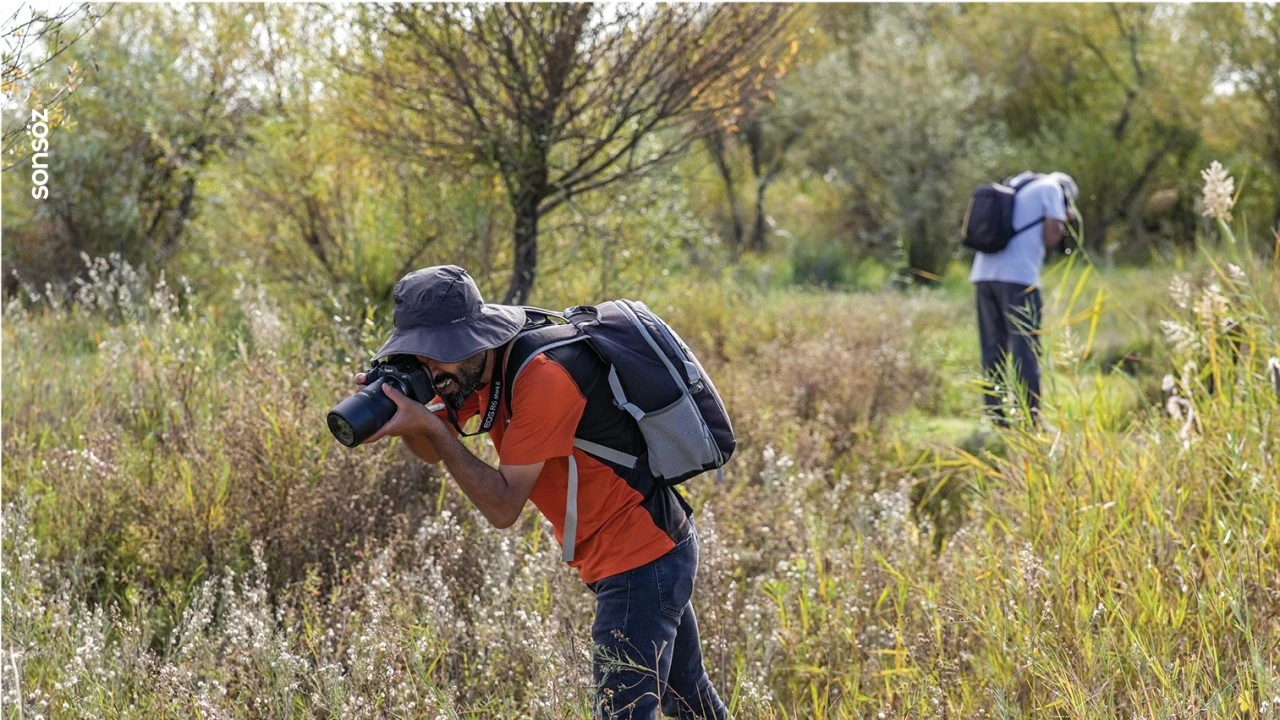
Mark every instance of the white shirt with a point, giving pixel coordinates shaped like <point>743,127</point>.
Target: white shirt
<point>1022,258</point>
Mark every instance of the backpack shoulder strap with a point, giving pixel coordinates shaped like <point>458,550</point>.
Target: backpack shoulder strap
<point>535,317</point>
<point>531,342</point>
<point>1034,177</point>
<point>1029,225</point>
<point>1018,188</point>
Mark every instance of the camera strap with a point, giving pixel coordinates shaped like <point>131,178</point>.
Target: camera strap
<point>495,398</point>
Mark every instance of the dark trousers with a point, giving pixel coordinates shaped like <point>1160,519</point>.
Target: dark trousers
<point>1009,327</point>
<point>648,654</point>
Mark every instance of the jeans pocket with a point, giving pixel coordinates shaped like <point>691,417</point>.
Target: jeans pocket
<point>674,573</point>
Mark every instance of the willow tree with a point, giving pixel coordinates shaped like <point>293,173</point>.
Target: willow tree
<point>160,92</point>
<point>1115,94</point>
<point>559,99</point>
<point>33,38</point>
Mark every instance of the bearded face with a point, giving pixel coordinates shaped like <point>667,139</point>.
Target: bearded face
<point>455,385</point>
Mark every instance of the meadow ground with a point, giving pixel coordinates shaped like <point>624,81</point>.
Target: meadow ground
<point>183,538</point>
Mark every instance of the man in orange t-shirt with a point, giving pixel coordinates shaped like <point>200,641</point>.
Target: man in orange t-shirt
<point>631,538</point>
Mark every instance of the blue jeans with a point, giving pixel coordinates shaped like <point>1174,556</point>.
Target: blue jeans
<point>648,654</point>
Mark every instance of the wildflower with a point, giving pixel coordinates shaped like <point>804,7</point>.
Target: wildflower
<point>1173,404</point>
<point>1180,336</point>
<point>1212,308</point>
<point>1180,291</point>
<point>1071,350</point>
<point>1191,424</point>
<point>1218,188</point>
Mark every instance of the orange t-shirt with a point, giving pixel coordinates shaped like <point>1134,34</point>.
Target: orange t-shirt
<point>615,533</point>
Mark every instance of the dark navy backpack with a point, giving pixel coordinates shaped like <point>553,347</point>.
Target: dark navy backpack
<point>653,377</point>
<point>988,220</point>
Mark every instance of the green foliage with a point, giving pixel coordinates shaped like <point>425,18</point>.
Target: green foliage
<point>321,213</point>
<point>156,105</point>
<point>630,244</point>
<point>898,123</point>
<point>557,100</point>
<point>1248,36</point>
<point>825,265</point>
<point>899,110</point>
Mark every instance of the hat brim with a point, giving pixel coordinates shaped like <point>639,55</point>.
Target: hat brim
<point>496,326</point>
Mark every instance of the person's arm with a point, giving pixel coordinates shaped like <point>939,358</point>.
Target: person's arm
<point>422,449</point>
<point>1055,215</point>
<point>499,493</point>
<point>1053,231</point>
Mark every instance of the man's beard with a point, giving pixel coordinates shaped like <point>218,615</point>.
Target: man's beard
<point>465,382</point>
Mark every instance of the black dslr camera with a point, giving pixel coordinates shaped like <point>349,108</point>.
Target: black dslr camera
<point>1068,244</point>
<point>1072,232</point>
<point>355,419</point>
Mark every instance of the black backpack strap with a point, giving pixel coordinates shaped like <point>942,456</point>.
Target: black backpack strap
<point>1018,188</point>
<point>1034,177</point>
<point>533,341</point>
<point>1028,226</point>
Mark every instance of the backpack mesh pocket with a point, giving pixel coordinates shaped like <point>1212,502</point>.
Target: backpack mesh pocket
<point>677,440</point>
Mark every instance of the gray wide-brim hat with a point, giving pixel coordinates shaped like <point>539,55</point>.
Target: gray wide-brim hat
<point>440,314</point>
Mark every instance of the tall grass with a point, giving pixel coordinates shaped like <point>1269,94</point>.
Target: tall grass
<point>182,538</point>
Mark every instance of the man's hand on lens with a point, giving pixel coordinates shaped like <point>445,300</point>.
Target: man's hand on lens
<point>411,418</point>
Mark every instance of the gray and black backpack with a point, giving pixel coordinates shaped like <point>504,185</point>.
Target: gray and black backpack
<point>652,377</point>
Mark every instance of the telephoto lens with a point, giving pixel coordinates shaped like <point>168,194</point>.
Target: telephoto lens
<point>357,418</point>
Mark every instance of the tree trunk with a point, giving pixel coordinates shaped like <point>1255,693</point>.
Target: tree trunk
<point>765,167</point>
<point>758,234</point>
<point>715,145</point>
<point>524,265</point>
<point>925,260</point>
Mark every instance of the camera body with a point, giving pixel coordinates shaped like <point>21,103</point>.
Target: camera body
<point>358,417</point>
<point>1068,244</point>
<point>1072,232</point>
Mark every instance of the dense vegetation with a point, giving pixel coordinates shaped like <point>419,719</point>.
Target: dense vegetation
<point>235,190</point>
